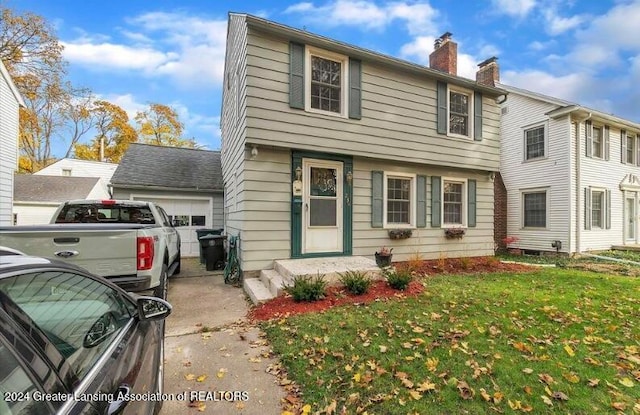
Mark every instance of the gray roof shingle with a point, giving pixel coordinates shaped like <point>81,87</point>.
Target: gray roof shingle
<point>36,188</point>
<point>145,165</point>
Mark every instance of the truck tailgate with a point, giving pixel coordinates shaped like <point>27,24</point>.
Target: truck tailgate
<point>104,252</point>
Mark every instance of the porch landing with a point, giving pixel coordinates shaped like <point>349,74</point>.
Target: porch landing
<point>271,282</point>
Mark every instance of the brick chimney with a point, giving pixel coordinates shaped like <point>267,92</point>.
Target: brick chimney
<point>488,72</point>
<point>445,55</point>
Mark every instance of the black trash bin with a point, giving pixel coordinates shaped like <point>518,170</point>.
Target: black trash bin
<point>202,232</point>
<point>213,246</point>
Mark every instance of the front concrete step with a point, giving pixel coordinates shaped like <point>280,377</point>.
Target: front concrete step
<point>257,291</point>
<point>330,267</point>
<point>273,281</point>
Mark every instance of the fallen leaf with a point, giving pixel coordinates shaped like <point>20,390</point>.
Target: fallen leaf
<point>407,383</point>
<point>546,378</point>
<point>190,376</point>
<point>306,409</point>
<point>221,373</point>
<point>527,370</point>
<point>432,364</point>
<point>620,406</point>
<point>201,378</point>
<point>626,382</point>
<point>569,350</point>
<point>356,377</point>
<point>559,396</point>
<point>186,363</point>
<point>485,395</point>
<point>528,390</point>
<point>546,400</point>
<point>465,391</point>
<point>415,395</point>
<point>515,405</point>
<point>593,382</point>
<point>383,349</point>
<point>571,377</point>
<point>426,386</point>
<point>206,335</point>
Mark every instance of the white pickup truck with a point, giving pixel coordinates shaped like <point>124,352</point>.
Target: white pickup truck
<point>131,243</point>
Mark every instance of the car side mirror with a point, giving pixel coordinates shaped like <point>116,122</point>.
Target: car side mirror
<point>152,308</point>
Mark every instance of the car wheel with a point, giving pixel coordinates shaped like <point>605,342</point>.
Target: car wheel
<point>178,261</point>
<point>161,290</point>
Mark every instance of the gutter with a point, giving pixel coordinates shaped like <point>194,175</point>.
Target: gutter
<point>578,182</point>
<point>161,188</point>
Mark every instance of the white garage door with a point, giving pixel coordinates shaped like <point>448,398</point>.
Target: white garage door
<point>192,213</point>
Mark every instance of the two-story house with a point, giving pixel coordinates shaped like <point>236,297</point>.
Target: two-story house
<point>571,175</point>
<point>10,102</point>
<point>328,147</point>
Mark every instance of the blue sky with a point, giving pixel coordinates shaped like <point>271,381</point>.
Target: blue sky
<point>135,52</point>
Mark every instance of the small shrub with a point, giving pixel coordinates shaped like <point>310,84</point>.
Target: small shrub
<point>398,279</point>
<point>465,263</point>
<point>442,261</point>
<point>356,282</point>
<point>414,263</point>
<point>307,288</point>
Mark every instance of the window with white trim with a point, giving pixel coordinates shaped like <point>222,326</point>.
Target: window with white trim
<point>597,143</point>
<point>460,112</point>
<point>597,208</point>
<point>326,84</point>
<point>453,203</point>
<point>534,209</point>
<point>399,200</point>
<point>534,142</point>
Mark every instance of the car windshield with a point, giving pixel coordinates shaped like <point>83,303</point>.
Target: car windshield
<point>105,213</point>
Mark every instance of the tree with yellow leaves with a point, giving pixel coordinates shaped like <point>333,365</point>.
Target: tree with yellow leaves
<point>160,125</point>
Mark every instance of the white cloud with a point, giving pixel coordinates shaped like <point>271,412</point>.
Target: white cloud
<point>418,50</point>
<point>418,17</point>
<point>514,8</point>
<point>190,50</point>
<point>125,101</point>
<point>557,25</point>
<point>568,87</point>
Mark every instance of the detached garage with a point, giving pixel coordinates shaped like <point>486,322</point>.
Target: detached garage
<point>187,183</point>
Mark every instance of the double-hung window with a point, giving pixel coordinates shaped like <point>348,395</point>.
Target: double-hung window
<point>534,209</point>
<point>327,82</point>
<point>400,199</point>
<point>631,148</point>
<point>597,208</point>
<point>597,143</point>
<point>453,203</point>
<point>534,142</point>
<point>460,108</point>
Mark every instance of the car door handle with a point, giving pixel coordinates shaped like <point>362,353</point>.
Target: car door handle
<point>118,405</point>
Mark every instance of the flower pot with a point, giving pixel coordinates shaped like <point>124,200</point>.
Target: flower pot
<point>383,260</point>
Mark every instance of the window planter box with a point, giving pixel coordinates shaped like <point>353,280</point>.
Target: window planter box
<point>454,233</point>
<point>400,233</point>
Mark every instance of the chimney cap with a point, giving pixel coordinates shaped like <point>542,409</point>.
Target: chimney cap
<point>446,35</point>
<point>487,61</point>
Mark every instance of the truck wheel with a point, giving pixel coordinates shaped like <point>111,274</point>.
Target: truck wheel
<point>178,261</point>
<point>161,290</point>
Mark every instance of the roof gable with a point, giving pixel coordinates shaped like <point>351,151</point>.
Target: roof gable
<point>12,86</point>
<point>146,165</point>
<point>35,188</point>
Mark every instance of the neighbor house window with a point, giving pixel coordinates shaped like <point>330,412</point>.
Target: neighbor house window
<point>631,148</point>
<point>534,143</point>
<point>327,81</point>
<point>597,143</point>
<point>66,172</point>
<point>400,199</point>
<point>535,209</point>
<point>453,203</point>
<point>597,209</point>
<point>459,110</point>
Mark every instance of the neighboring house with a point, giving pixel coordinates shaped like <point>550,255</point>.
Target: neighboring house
<point>186,182</point>
<point>327,147</point>
<point>37,197</point>
<point>10,102</point>
<point>81,168</point>
<point>571,175</point>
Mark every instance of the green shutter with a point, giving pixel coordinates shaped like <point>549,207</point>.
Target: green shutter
<point>607,145</point>
<point>588,138</point>
<point>477,116</point>
<point>587,208</point>
<point>355,89</point>
<point>435,202</point>
<point>471,208</point>
<point>442,107</point>
<point>296,75</point>
<point>421,201</point>
<point>377,198</point>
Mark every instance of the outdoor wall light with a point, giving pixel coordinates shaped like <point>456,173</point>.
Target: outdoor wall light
<point>298,173</point>
<point>349,177</point>
<point>492,175</point>
<point>254,152</point>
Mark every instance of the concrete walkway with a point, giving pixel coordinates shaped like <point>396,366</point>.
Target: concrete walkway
<point>212,353</point>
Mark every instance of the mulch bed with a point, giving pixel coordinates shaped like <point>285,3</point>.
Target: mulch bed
<point>284,306</point>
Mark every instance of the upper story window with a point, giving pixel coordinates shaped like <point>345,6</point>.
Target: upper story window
<point>598,143</point>
<point>534,142</point>
<point>326,84</point>
<point>630,149</point>
<point>460,108</point>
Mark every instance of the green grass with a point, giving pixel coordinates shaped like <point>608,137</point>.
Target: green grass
<point>487,331</point>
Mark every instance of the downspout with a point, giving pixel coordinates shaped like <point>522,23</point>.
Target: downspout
<point>578,192</point>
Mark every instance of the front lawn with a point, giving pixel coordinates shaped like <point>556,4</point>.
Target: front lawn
<point>546,341</point>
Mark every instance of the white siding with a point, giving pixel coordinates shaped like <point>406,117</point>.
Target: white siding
<point>34,213</point>
<point>551,172</point>
<point>9,108</point>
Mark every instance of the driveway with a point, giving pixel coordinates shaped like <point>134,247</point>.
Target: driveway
<point>213,356</point>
